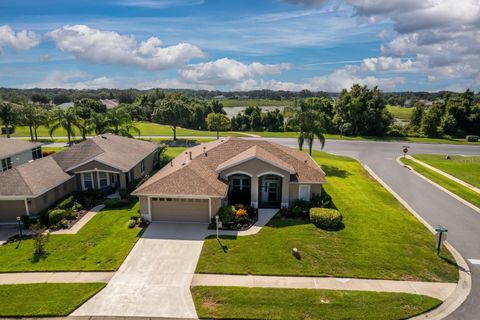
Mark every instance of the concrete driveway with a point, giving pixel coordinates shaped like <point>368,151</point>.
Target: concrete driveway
<point>7,231</point>
<point>154,280</point>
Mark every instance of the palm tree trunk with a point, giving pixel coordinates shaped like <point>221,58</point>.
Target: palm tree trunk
<point>174,133</point>
<point>218,135</point>
<point>7,127</point>
<point>36,135</point>
<point>68,134</point>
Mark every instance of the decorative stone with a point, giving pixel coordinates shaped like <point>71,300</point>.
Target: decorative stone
<point>296,253</point>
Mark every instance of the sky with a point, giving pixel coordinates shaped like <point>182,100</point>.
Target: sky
<point>319,45</point>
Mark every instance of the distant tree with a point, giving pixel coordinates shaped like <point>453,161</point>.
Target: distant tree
<point>40,99</point>
<point>9,114</point>
<point>417,114</point>
<point>99,123</point>
<point>60,99</point>
<point>28,116</point>
<point>64,119</point>
<point>309,135</point>
<point>218,122</point>
<point>120,122</point>
<point>41,119</point>
<point>85,107</point>
<point>431,120</point>
<point>173,112</point>
<point>126,96</point>
<point>217,107</point>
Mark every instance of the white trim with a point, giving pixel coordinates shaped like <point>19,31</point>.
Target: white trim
<point>14,197</point>
<point>239,172</point>
<point>97,170</point>
<point>149,207</point>
<point>209,209</point>
<point>309,191</point>
<point>223,168</point>
<point>26,207</point>
<point>270,172</point>
<point>306,182</point>
<point>83,180</point>
<point>183,196</point>
<point>98,179</point>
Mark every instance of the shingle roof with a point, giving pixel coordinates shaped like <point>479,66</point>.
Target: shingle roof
<point>199,176</point>
<point>33,178</point>
<point>10,147</point>
<point>119,152</point>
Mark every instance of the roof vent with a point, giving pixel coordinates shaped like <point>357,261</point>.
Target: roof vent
<point>305,161</point>
<point>103,137</point>
<point>190,155</point>
<point>205,151</point>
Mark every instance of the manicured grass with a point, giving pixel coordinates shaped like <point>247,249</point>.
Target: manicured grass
<point>255,102</point>
<point>400,112</point>
<point>172,152</point>
<point>380,238</point>
<point>452,186</point>
<point>102,244</point>
<point>44,299</point>
<point>463,168</point>
<point>53,149</point>
<point>267,303</point>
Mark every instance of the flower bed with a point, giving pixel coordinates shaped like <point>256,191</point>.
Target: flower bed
<point>235,217</point>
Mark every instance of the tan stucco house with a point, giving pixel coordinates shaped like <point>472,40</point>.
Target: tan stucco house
<point>230,171</point>
<point>14,152</point>
<point>105,161</point>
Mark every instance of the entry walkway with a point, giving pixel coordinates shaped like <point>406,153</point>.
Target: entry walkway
<point>433,289</point>
<point>54,277</point>
<point>264,215</point>
<point>154,280</point>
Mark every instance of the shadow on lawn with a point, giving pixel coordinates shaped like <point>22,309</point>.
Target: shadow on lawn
<point>335,171</point>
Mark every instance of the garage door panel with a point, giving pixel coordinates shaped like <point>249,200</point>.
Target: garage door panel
<point>11,209</point>
<point>182,210</point>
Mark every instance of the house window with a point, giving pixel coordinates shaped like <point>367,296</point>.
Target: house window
<point>36,153</point>
<point>304,192</point>
<point>102,179</point>
<point>6,164</point>
<point>142,167</point>
<point>87,180</point>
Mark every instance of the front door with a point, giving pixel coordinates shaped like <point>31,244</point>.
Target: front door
<point>270,191</point>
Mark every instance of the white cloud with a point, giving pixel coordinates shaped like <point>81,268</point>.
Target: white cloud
<point>22,40</point>
<point>226,71</point>
<point>73,80</point>
<point>98,46</point>
<point>160,4</point>
<point>387,64</point>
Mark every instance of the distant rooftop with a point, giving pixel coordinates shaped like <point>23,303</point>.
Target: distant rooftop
<point>10,147</point>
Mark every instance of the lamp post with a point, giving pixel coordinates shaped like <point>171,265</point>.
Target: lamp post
<point>19,220</point>
<point>216,223</point>
<point>441,236</point>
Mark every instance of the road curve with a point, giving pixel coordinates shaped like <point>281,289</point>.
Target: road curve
<point>433,205</point>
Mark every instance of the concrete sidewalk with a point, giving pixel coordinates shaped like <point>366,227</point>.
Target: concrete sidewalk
<point>80,223</point>
<point>437,290</point>
<point>54,277</point>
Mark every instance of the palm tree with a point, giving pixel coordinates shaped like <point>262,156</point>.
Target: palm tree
<point>98,123</point>
<point>29,116</point>
<point>120,122</point>
<point>41,119</point>
<point>9,115</point>
<point>309,134</point>
<point>66,119</point>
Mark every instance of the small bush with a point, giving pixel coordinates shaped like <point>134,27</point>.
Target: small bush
<point>27,221</point>
<point>323,200</point>
<point>241,215</point>
<point>132,223</point>
<point>325,218</point>
<point>116,203</point>
<point>70,214</point>
<point>226,214</point>
<point>56,215</point>
<point>66,203</point>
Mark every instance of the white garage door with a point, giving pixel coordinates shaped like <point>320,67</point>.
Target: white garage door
<point>181,210</point>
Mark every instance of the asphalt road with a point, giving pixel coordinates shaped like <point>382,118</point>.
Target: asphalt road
<point>434,205</point>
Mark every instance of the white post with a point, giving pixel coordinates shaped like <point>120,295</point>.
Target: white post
<point>216,222</point>
<point>26,207</point>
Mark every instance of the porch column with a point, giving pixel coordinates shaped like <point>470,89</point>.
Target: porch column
<point>254,192</point>
<point>26,207</point>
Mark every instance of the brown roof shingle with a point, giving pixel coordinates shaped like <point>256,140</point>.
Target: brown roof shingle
<point>10,147</point>
<point>199,176</point>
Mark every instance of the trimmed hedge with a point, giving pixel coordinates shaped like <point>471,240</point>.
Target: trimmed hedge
<point>226,213</point>
<point>117,203</point>
<point>56,215</point>
<point>325,218</point>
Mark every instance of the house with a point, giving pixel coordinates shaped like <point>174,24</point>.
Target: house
<point>103,162</point>
<point>14,152</point>
<point>253,172</point>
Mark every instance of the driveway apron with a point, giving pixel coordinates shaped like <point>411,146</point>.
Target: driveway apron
<point>154,280</point>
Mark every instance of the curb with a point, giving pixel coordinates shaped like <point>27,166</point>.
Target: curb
<point>464,285</point>
<point>465,202</point>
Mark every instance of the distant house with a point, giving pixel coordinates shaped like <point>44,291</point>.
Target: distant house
<point>14,152</point>
<point>103,162</point>
<point>232,171</point>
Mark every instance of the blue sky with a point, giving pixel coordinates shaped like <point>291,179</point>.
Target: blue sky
<point>240,45</point>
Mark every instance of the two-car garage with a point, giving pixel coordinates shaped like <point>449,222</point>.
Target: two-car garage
<point>179,209</point>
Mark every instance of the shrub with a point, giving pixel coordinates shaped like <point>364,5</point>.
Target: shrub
<point>226,214</point>
<point>27,221</point>
<point>323,200</point>
<point>55,216</point>
<point>116,203</point>
<point>132,223</point>
<point>70,214</point>
<point>66,203</point>
<point>325,218</point>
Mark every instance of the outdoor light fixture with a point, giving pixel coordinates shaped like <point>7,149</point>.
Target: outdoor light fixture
<point>19,220</point>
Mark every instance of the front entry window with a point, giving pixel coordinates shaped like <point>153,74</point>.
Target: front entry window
<point>239,190</point>
<point>102,179</point>
<point>87,180</point>
<point>270,191</point>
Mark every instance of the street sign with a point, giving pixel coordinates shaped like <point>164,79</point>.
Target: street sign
<point>440,236</point>
<point>405,150</point>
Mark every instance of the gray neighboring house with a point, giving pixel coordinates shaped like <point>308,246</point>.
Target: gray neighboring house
<point>14,152</point>
<point>259,173</point>
<point>103,162</point>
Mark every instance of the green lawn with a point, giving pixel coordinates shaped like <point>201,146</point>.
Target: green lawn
<point>400,112</point>
<point>53,149</point>
<point>267,303</point>
<point>452,186</point>
<point>102,244</point>
<point>463,168</point>
<point>44,299</point>
<point>255,103</point>
<point>380,240</point>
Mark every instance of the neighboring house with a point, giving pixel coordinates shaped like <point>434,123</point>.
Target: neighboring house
<point>14,152</point>
<point>103,162</point>
<point>253,172</point>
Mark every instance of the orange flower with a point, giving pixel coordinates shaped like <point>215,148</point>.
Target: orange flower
<point>241,213</point>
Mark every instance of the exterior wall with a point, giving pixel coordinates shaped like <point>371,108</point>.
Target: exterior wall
<point>216,204</point>
<point>137,174</point>
<point>19,158</point>
<point>314,188</point>
<point>10,210</point>
<point>144,206</point>
<point>256,168</point>
<point>36,205</point>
